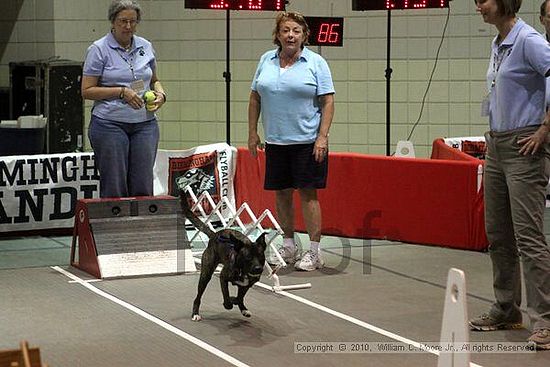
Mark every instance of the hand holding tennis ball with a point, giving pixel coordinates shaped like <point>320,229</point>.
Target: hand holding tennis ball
<point>149,98</point>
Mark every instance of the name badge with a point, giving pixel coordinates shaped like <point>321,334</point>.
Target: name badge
<point>138,86</point>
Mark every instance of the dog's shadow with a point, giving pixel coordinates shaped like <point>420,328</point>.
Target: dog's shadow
<point>255,333</point>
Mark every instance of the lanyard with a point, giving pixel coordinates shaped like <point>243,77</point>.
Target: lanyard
<point>498,59</point>
<point>129,61</point>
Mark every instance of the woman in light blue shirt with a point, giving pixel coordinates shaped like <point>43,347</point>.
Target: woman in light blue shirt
<point>293,90</point>
<point>544,18</point>
<point>516,172</point>
<point>119,68</point>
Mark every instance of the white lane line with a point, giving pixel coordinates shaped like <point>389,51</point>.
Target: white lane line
<point>355,321</point>
<point>161,323</point>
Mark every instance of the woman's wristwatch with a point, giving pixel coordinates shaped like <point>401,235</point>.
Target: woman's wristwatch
<point>121,95</point>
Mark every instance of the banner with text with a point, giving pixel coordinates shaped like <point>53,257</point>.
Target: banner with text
<point>40,191</point>
<point>208,168</point>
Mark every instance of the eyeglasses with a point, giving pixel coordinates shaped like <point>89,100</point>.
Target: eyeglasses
<point>131,22</point>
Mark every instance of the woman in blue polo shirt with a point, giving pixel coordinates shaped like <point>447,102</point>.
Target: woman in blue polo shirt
<point>293,90</point>
<point>123,132</point>
<point>516,172</point>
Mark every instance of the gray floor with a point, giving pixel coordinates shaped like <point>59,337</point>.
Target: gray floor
<point>369,292</point>
<point>34,251</point>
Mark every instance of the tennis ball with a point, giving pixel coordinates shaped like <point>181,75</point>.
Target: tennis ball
<point>149,96</point>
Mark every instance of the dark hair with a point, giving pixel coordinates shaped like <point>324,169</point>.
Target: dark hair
<point>294,16</point>
<point>119,5</point>
<point>507,7</point>
<point>543,8</point>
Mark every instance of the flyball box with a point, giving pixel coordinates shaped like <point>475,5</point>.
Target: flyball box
<point>130,237</point>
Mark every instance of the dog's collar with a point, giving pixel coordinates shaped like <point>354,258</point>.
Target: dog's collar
<point>226,240</point>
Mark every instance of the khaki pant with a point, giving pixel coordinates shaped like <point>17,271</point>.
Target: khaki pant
<point>515,189</point>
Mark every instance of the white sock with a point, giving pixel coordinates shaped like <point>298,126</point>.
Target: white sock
<point>288,243</point>
<point>314,247</point>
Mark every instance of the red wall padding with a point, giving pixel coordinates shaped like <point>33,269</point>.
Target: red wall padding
<point>426,201</point>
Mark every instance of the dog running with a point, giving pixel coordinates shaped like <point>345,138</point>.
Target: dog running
<point>242,260</point>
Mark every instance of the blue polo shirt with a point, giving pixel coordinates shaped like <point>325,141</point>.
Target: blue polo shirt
<point>290,109</point>
<point>107,60</point>
<point>516,79</point>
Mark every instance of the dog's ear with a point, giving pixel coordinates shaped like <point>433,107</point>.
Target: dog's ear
<point>260,241</point>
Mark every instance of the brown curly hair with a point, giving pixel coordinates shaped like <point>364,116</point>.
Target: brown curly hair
<point>294,16</point>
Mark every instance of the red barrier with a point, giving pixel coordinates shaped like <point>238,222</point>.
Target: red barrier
<point>440,150</point>
<point>426,201</point>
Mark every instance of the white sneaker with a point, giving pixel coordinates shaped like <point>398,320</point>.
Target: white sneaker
<point>287,254</point>
<point>310,261</point>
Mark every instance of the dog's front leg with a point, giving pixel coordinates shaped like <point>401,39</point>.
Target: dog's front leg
<point>239,301</point>
<point>224,283</point>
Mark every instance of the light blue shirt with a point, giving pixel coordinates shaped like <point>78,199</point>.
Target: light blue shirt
<point>547,84</point>
<point>107,60</point>
<point>290,108</point>
<point>516,79</point>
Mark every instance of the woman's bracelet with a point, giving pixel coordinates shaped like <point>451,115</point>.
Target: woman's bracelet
<point>163,96</point>
<point>121,95</point>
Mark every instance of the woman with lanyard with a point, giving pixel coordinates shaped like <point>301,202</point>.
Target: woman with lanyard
<point>516,172</point>
<point>119,68</point>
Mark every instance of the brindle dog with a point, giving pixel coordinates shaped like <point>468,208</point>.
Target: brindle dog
<point>242,260</point>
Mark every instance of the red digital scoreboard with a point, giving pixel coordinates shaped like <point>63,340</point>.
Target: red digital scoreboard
<point>326,31</point>
<point>257,5</point>
<point>398,4</point>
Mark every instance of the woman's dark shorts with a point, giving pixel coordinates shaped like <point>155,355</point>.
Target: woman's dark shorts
<point>294,166</point>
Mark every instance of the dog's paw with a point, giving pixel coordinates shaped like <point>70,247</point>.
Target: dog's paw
<point>228,305</point>
<point>246,313</point>
<point>196,317</point>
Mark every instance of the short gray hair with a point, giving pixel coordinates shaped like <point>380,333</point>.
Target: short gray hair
<point>119,5</point>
